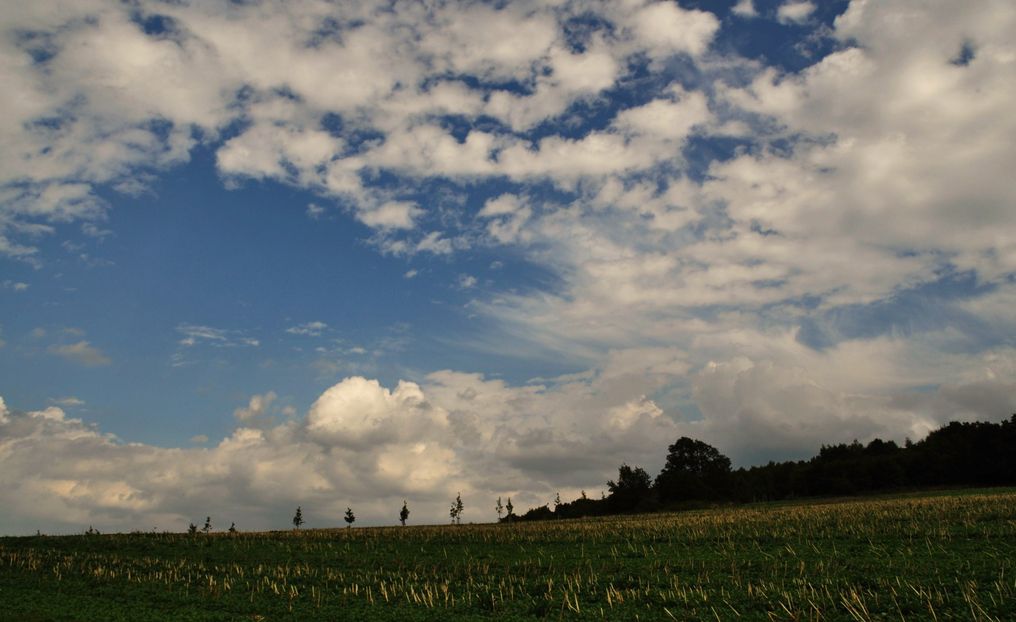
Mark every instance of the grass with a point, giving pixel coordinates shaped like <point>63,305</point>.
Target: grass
<point>933,557</point>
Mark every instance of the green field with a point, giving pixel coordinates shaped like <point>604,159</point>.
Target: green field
<point>922,557</point>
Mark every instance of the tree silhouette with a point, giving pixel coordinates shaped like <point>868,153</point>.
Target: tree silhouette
<point>208,525</point>
<point>694,470</point>
<point>510,509</point>
<point>298,517</point>
<point>349,518</point>
<point>404,513</point>
<point>499,508</point>
<point>456,510</point>
<point>632,489</point>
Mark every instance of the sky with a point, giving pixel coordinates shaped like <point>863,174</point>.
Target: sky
<point>261,254</point>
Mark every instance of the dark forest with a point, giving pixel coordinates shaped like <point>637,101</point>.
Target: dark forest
<point>697,475</point>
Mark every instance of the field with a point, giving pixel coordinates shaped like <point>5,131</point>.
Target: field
<point>929,557</point>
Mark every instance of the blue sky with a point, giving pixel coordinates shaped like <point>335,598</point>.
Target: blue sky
<point>255,255</point>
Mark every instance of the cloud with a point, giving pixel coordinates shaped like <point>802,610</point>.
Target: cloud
<point>83,353</point>
<point>358,412</point>
<point>196,334</point>
<point>692,235</point>
<point>309,329</point>
<point>665,29</point>
<point>506,214</point>
<point>15,285</point>
<point>69,402</point>
<point>568,77</point>
<point>505,204</point>
<point>433,242</point>
<point>258,412</point>
<point>111,104</point>
<point>359,444</point>
<point>391,215</point>
<point>368,446</point>
<point>885,185</point>
<point>869,201</point>
<point>664,118</point>
<point>314,211</point>
<point>748,404</point>
<point>795,11</point>
<point>275,152</point>
<point>744,8</point>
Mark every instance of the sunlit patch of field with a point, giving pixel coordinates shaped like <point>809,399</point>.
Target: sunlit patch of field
<point>911,558</point>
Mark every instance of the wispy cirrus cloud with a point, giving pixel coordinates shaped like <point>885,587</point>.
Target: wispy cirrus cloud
<point>68,402</point>
<point>308,329</point>
<point>196,334</point>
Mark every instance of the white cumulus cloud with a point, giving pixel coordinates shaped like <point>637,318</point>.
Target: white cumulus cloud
<point>795,11</point>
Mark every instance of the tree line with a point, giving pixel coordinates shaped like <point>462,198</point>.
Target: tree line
<point>696,474</point>
<point>458,507</point>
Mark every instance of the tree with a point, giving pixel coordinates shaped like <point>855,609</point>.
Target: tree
<point>232,528</point>
<point>192,530</point>
<point>632,489</point>
<point>349,518</point>
<point>538,513</point>
<point>694,471</point>
<point>456,510</point>
<point>208,525</point>
<point>499,508</point>
<point>557,503</point>
<point>404,513</point>
<point>510,509</point>
<point>298,517</point>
